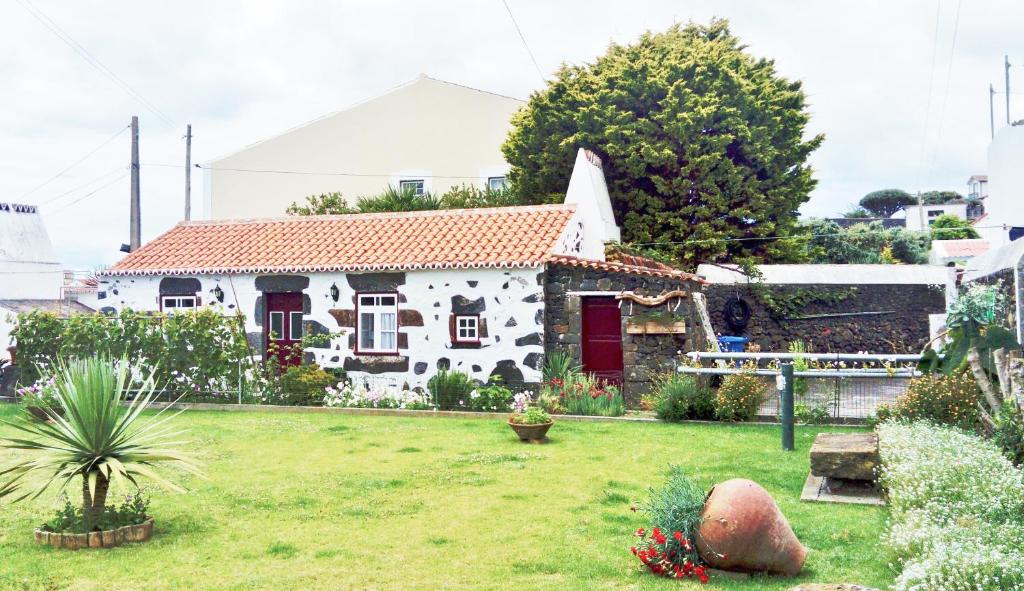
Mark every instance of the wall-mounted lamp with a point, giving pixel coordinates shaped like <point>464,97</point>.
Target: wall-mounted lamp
<point>219,294</point>
<point>335,292</point>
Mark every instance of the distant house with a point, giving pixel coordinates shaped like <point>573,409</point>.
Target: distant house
<point>956,252</point>
<point>426,135</point>
<point>403,295</point>
<point>31,277</point>
<point>831,308</point>
<point>921,217</point>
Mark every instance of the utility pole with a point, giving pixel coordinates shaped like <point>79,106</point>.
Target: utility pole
<point>1006,68</point>
<point>135,229</point>
<point>188,172</point>
<point>920,211</point>
<point>991,111</point>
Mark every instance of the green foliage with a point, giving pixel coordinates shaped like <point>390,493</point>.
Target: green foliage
<point>940,197</point>
<point>1009,432</point>
<point>323,204</point>
<point>971,323</point>
<point>795,302</point>
<point>470,197</point>
<point>392,199</point>
<point>531,416</point>
<point>739,397</point>
<point>582,394</point>
<point>871,243</point>
<point>682,397</point>
<point>858,213</point>
<point>492,397</point>
<point>101,438</point>
<point>69,518</point>
<point>886,202</point>
<point>304,385</point>
<point>557,365</point>
<point>191,351</point>
<point>700,141</point>
<point>450,389</point>
<point>942,399</point>
<point>950,227</point>
<point>677,506</point>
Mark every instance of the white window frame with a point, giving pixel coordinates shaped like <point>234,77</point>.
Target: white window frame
<point>277,336</point>
<point>471,327</point>
<point>292,325</point>
<point>178,299</point>
<point>418,191</point>
<point>379,312</point>
<point>502,180</point>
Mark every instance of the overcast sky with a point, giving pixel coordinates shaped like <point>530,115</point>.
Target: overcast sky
<point>895,109</point>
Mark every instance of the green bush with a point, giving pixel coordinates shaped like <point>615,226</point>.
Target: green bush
<point>739,397</point>
<point>943,399</point>
<point>304,385</point>
<point>494,397</point>
<point>451,389</point>
<point>1009,432</point>
<point>682,397</point>
<point>582,394</point>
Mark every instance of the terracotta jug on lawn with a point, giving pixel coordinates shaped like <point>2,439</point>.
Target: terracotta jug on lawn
<point>743,529</point>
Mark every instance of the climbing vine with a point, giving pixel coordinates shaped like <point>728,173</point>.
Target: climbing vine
<point>795,301</point>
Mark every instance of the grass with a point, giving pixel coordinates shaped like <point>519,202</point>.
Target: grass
<point>332,501</point>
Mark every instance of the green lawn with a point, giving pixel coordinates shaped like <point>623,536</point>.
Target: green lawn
<point>331,501</point>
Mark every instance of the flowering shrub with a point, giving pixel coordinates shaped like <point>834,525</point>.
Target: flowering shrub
<point>739,397</point>
<point>944,399</point>
<point>346,394</point>
<point>451,389</point>
<point>668,556</point>
<point>304,385</point>
<point>530,416</point>
<point>493,397</point>
<point>957,511</point>
<point>674,511</point>
<point>582,394</point>
<point>42,394</point>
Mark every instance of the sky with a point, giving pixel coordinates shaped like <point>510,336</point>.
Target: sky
<point>899,89</point>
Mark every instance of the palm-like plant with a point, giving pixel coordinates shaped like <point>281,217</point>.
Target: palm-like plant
<point>98,439</point>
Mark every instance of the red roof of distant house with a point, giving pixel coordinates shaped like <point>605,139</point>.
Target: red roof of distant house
<point>497,237</point>
<point>968,247</point>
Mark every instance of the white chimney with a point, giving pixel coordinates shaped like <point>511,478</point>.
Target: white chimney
<point>588,191</point>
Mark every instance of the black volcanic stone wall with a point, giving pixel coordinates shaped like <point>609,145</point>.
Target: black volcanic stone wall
<point>905,330</point>
<point>645,357</point>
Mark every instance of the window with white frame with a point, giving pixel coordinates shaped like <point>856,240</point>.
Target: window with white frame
<point>295,326</point>
<point>496,183</point>
<point>417,186</point>
<point>178,303</point>
<point>377,323</point>
<point>467,329</point>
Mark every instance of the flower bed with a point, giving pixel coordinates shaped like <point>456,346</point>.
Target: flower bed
<point>957,509</point>
<point>358,395</point>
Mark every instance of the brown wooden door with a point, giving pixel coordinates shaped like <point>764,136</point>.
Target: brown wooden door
<point>282,327</point>
<point>602,338</point>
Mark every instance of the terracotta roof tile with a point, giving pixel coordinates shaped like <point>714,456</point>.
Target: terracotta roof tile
<point>498,237</point>
<point>650,267</point>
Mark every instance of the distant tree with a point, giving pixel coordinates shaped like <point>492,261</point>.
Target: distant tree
<point>858,213</point>
<point>863,244</point>
<point>951,227</point>
<point>703,144</point>
<point>886,202</point>
<point>940,197</point>
<point>323,204</point>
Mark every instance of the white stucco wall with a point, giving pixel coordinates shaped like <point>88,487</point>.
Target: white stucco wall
<point>513,300</point>
<point>915,214</point>
<point>1004,205</point>
<point>29,269</point>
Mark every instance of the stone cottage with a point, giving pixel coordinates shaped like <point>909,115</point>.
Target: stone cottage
<point>402,295</point>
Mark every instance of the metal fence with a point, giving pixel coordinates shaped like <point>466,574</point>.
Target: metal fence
<point>834,387</point>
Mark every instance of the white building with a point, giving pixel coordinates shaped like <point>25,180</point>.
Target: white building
<point>1004,206</point>
<point>428,135</point>
<point>921,217</point>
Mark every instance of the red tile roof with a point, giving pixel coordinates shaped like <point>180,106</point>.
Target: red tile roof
<point>498,237</point>
<point>640,266</point>
<point>968,247</point>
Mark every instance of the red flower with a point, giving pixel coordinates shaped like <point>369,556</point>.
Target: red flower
<point>639,532</point>
<point>678,536</point>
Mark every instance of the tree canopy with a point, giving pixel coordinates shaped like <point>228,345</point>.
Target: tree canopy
<point>392,199</point>
<point>951,227</point>
<point>940,197</point>
<point>886,202</point>
<point>870,243</point>
<point>702,143</point>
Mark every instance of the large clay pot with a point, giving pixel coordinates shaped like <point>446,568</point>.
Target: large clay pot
<point>743,529</point>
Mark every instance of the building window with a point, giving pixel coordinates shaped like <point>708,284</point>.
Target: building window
<point>496,183</point>
<point>934,213</point>
<point>171,304</point>
<point>377,323</point>
<point>417,186</point>
<point>295,326</point>
<point>276,325</point>
<point>467,329</point>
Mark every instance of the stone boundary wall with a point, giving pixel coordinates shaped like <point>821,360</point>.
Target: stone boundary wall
<point>645,357</point>
<point>904,330</point>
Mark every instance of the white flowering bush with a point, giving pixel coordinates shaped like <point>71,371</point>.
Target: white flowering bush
<point>358,395</point>
<point>957,509</point>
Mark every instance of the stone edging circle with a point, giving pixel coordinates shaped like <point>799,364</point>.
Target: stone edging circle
<point>97,539</point>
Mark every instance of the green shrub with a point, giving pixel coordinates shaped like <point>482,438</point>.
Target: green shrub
<point>739,397</point>
<point>304,385</point>
<point>944,399</point>
<point>582,394</point>
<point>451,389</point>
<point>1009,432</point>
<point>681,397</point>
<point>557,365</point>
<point>494,397</point>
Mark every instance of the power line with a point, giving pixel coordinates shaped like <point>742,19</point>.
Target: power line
<point>82,186</point>
<point>54,28</point>
<point>75,163</point>
<point>523,39</point>
<point>87,195</point>
<point>945,94</point>
<point>931,86</point>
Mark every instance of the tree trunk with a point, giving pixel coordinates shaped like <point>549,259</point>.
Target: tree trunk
<point>93,504</point>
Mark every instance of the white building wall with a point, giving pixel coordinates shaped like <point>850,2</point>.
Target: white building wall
<point>927,213</point>
<point>1004,205</point>
<point>513,311</point>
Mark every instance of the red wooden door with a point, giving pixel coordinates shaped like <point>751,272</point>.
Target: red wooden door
<point>602,338</point>
<point>282,327</point>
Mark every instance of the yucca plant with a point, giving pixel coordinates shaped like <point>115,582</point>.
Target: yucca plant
<point>98,439</point>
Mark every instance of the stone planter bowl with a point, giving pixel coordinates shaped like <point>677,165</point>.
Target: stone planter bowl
<point>110,538</point>
<point>531,432</point>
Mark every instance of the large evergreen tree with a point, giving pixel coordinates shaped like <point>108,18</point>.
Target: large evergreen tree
<point>702,143</point>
